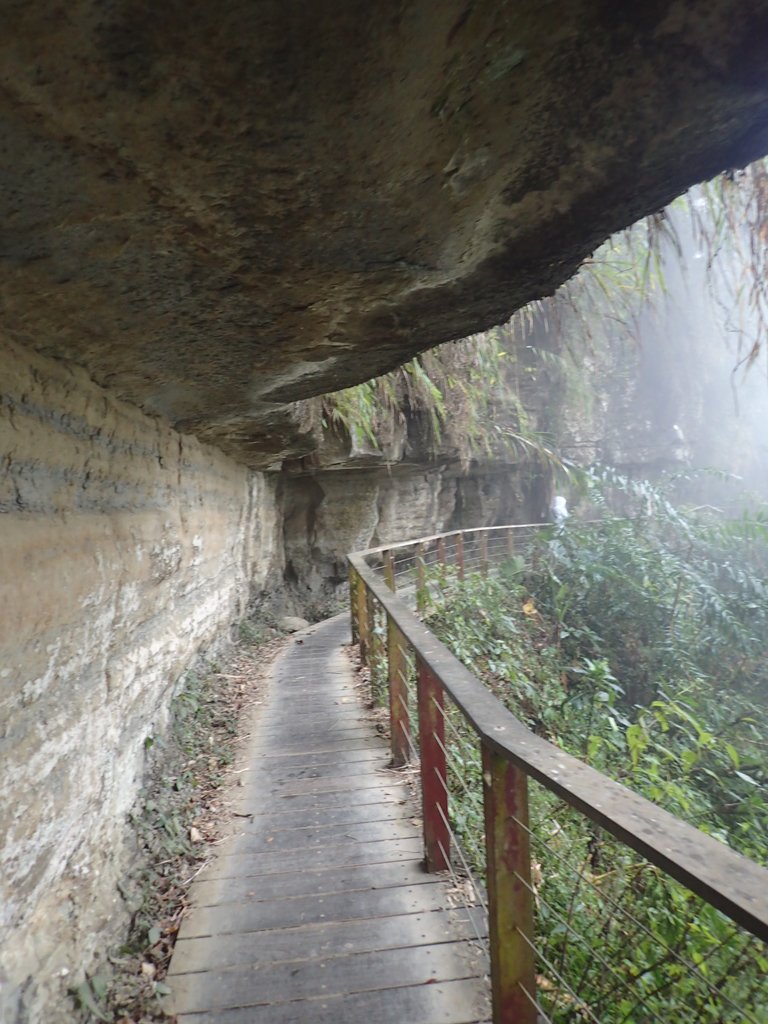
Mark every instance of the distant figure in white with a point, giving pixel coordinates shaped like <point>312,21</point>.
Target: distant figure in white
<point>558,510</point>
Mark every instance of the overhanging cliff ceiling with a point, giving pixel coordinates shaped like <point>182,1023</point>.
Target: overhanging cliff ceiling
<point>219,208</point>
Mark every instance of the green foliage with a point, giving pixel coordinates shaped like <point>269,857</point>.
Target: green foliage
<point>639,646</point>
<point>462,398</point>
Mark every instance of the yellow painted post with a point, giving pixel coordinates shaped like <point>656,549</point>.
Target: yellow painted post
<point>460,554</point>
<point>370,615</point>
<point>421,579</point>
<point>354,583</point>
<point>399,719</point>
<point>363,623</point>
<point>510,898</point>
<point>389,570</point>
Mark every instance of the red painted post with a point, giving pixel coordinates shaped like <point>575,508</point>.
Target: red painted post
<point>389,570</point>
<point>421,579</point>
<point>399,719</point>
<point>460,554</point>
<point>510,899</point>
<point>434,782</point>
<point>354,583</point>
<point>484,553</point>
<point>363,623</point>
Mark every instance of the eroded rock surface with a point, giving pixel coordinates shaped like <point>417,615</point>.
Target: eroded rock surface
<point>220,209</point>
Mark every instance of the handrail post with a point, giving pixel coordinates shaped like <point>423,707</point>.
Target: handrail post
<point>441,550</point>
<point>363,623</point>
<point>510,543</point>
<point>434,780</point>
<point>354,583</point>
<point>421,579</point>
<point>460,554</point>
<point>372,639</point>
<point>389,571</point>
<point>399,719</point>
<point>484,553</point>
<point>510,895</point>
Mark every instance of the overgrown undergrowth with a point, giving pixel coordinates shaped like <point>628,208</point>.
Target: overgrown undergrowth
<point>638,646</point>
<point>183,807</point>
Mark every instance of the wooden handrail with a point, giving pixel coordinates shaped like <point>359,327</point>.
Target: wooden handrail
<point>732,883</point>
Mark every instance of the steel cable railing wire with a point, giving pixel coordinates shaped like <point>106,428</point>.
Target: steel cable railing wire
<point>687,964</point>
<point>477,847</point>
<point>453,556</point>
<point>476,887</point>
<point>621,982</point>
<point>564,986</point>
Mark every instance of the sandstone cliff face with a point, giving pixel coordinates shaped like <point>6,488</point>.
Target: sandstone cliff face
<point>125,549</point>
<point>211,213</point>
<point>218,210</point>
<point>328,513</point>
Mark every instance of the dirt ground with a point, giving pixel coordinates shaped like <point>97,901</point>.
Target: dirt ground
<point>184,811</point>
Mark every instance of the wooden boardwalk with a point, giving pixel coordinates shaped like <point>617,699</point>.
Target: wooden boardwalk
<point>319,910</point>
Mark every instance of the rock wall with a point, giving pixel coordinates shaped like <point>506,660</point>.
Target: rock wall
<point>125,549</point>
<point>331,512</point>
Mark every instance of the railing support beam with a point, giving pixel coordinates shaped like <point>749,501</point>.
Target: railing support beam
<point>434,780</point>
<point>354,583</point>
<point>389,571</point>
<point>399,719</point>
<point>364,625</point>
<point>510,898</point>
<point>421,579</point>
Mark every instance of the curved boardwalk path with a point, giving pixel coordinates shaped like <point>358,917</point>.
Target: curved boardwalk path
<point>319,910</point>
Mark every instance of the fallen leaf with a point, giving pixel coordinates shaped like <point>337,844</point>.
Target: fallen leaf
<point>148,970</point>
<point>195,836</point>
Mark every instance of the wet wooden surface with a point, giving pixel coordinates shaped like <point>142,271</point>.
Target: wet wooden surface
<point>319,910</point>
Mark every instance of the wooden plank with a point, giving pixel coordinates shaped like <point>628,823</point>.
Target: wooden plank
<point>276,796</point>
<point>331,770</point>
<point>351,878</point>
<point>451,1002</point>
<point>330,784</point>
<point>337,798</point>
<point>254,840</point>
<point>322,801</point>
<point>331,938</point>
<point>268,863</point>
<point>322,717</point>
<point>243,916</point>
<point>315,745</point>
<point>359,972</point>
<point>369,750</point>
<point>387,808</point>
<point>314,889</point>
<point>298,738</point>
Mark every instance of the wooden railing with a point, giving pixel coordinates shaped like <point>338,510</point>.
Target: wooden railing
<point>511,755</point>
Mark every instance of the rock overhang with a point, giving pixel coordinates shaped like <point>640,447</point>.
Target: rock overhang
<point>221,210</point>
